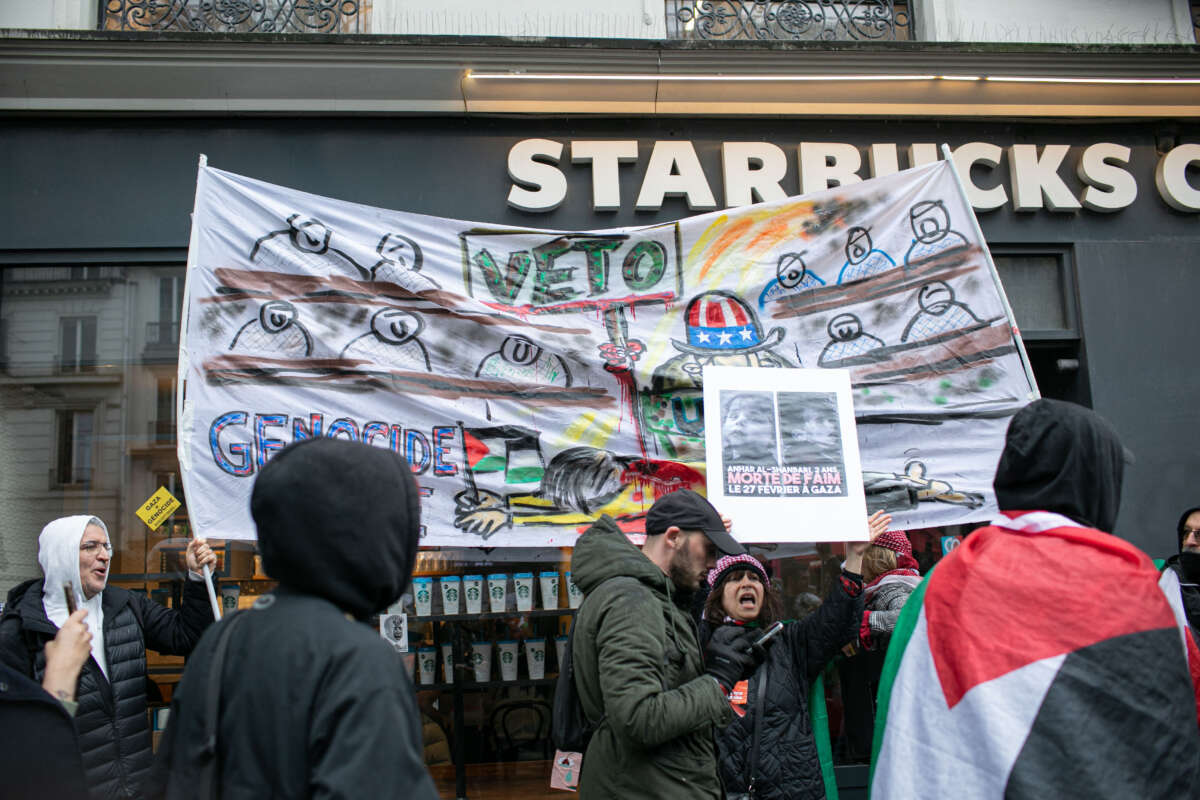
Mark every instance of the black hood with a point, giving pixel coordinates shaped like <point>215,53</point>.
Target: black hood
<point>339,520</point>
<point>1064,458</point>
<point>1179,526</point>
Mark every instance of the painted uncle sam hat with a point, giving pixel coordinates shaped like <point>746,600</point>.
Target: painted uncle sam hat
<point>719,322</point>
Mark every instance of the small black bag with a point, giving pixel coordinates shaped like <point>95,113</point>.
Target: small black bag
<point>570,729</point>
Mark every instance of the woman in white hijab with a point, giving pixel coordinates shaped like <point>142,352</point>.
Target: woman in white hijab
<point>114,734</point>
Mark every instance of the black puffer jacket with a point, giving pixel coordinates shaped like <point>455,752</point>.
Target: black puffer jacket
<point>788,766</point>
<point>114,733</point>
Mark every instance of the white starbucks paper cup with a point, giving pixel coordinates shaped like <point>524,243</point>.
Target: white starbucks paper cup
<point>229,597</point>
<point>448,662</point>
<point>574,596</point>
<point>523,589</point>
<point>549,581</point>
<point>535,658</point>
<point>508,659</point>
<point>423,596</point>
<point>451,592</point>
<point>497,585</point>
<point>560,647</point>
<point>472,592</point>
<point>427,664</point>
<point>481,660</point>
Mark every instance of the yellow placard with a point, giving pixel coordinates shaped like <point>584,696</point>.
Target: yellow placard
<point>154,512</point>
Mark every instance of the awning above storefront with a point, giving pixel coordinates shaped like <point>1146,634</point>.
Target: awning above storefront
<point>91,72</point>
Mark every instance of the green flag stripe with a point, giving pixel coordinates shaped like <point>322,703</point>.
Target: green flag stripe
<point>819,715</point>
<point>891,664</point>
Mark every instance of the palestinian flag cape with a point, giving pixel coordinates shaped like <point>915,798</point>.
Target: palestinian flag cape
<point>1040,659</point>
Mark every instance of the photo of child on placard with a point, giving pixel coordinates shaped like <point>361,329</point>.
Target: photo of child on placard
<point>748,431</point>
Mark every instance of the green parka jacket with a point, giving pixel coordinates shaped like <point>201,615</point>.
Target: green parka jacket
<point>654,741</point>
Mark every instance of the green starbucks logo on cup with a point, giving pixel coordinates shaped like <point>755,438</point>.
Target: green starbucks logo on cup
<point>506,657</point>
<point>497,592</point>
<point>423,596</point>
<point>477,658</point>
<point>539,656</point>
<point>452,595</point>
<point>522,591</point>
<point>473,593</point>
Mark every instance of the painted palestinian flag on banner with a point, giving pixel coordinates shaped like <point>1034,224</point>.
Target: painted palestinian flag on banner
<point>507,449</point>
<point>1040,659</point>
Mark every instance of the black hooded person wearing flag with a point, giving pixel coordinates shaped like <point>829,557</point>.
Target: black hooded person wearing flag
<point>1041,658</point>
<point>310,701</point>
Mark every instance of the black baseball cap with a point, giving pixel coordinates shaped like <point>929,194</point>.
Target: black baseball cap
<point>689,511</point>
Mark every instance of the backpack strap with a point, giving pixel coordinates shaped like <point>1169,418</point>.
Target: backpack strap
<point>206,779</point>
<point>760,699</point>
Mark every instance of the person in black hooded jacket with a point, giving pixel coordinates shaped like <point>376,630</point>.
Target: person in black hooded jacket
<point>1185,567</point>
<point>313,703</point>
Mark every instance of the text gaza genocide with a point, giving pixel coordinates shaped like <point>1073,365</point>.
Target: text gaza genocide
<point>242,443</point>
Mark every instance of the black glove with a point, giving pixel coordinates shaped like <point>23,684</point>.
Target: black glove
<point>728,656</point>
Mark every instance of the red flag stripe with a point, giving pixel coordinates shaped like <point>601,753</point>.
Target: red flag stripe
<point>981,596</point>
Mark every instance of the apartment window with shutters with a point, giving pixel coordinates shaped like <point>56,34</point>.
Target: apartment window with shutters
<point>73,463</point>
<point>77,344</point>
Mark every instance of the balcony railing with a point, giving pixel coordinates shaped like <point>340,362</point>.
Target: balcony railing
<point>823,20</point>
<point>234,16</point>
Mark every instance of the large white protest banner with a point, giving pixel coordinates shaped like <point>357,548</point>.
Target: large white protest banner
<point>537,379</point>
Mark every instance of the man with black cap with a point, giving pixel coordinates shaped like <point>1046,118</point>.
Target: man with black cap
<point>296,697</point>
<point>637,659</point>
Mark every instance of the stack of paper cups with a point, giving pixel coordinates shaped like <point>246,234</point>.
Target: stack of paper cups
<point>481,659</point>
<point>498,592</point>
<point>448,661</point>
<point>451,591</point>
<point>472,589</point>
<point>508,659</point>
<point>549,581</point>
<point>560,647</point>
<point>423,596</point>
<point>523,588</point>
<point>427,664</point>
<point>535,655</point>
<point>574,596</point>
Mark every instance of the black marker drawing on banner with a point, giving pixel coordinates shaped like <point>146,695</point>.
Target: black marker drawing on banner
<point>862,259</point>
<point>399,257</point>
<point>847,340</point>
<point>521,361</point>
<point>275,331</point>
<point>940,313</point>
<point>792,276</point>
<point>578,485</point>
<point>930,222</point>
<point>392,341</point>
<point>903,491</point>
<point>310,236</point>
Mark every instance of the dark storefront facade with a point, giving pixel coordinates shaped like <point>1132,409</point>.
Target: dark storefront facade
<point>97,209</point>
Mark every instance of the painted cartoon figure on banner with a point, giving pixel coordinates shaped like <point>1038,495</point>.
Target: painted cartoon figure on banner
<point>507,486</point>
<point>721,329</point>
<point>930,222</point>
<point>846,341</point>
<point>862,259</point>
<point>792,276</point>
<point>306,245</point>
<point>391,342</point>
<point>276,331</point>
<point>903,491</point>
<point>400,260</point>
<point>522,361</point>
<point>940,314</point>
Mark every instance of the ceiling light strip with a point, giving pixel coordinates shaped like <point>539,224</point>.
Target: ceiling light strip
<point>566,76</point>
